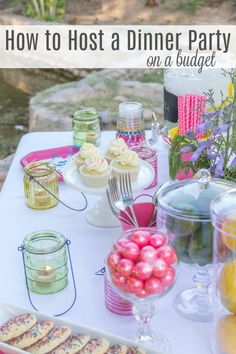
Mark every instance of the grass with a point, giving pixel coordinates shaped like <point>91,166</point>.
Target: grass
<point>30,10</point>
<point>190,6</point>
<point>154,76</point>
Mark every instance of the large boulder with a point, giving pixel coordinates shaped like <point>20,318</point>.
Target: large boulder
<point>52,109</point>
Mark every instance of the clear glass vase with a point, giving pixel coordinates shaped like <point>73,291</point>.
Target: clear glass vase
<point>184,215</point>
<point>223,212</point>
<point>142,268</point>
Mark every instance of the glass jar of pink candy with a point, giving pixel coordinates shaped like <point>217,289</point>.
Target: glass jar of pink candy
<point>142,268</point>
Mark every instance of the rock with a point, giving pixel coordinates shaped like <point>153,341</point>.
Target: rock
<point>147,113</point>
<point>104,90</point>
<point>4,167</point>
<point>120,99</point>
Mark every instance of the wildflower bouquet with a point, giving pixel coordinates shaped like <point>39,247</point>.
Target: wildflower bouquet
<point>217,151</point>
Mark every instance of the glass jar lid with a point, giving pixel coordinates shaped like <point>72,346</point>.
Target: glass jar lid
<point>86,115</point>
<point>40,169</point>
<point>43,242</point>
<point>190,199</point>
<point>130,110</point>
<point>224,207</point>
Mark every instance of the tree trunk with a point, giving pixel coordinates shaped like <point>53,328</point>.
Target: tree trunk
<point>151,3</point>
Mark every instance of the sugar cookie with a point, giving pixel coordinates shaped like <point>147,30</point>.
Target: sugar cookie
<point>52,340</point>
<point>96,346</point>
<point>117,349</point>
<point>35,333</point>
<point>136,350</point>
<point>72,345</point>
<point>16,326</point>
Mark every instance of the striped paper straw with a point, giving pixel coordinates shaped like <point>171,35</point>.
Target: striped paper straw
<point>190,110</point>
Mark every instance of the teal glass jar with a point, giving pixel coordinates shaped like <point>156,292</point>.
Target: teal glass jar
<point>86,127</point>
<point>45,260</point>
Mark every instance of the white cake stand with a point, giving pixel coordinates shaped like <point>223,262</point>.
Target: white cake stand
<point>101,214</point>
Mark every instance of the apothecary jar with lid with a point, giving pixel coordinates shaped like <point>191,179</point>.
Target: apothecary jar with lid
<point>184,215</point>
<point>223,213</point>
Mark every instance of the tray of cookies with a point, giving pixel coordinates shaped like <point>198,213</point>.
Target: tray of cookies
<point>26,331</point>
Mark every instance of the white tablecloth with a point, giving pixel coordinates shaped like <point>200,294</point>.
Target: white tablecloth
<point>89,247</point>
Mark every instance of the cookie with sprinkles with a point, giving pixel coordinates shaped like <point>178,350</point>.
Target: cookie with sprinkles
<point>16,326</point>
<point>52,340</point>
<point>73,344</point>
<point>35,333</point>
<point>136,350</point>
<point>117,349</point>
<point>96,346</point>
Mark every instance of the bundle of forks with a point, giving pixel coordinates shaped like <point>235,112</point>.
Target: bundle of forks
<point>121,200</point>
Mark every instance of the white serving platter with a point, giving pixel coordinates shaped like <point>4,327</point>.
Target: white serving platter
<point>73,179</point>
<point>8,311</point>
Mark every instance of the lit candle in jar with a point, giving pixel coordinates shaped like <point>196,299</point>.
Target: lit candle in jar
<point>41,197</point>
<point>46,275</point>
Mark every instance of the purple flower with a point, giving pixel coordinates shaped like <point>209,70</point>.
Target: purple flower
<point>223,128</point>
<point>215,131</point>
<point>186,148</point>
<point>201,127</point>
<point>213,114</point>
<point>211,155</point>
<point>205,144</point>
<point>196,154</point>
<point>233,163</point>
<point>190,135</point>
<point>219,171</point>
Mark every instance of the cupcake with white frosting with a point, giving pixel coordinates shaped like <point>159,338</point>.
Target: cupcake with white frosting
<point>95,171</point>
<point>127,162</point>
<point>115,148</point>
<point>85,152</point>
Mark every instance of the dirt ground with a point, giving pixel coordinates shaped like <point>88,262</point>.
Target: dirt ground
<point>135,12</point>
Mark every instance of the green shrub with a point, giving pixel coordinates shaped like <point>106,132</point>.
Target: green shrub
<point>48,10</point>
<point>190,5</point>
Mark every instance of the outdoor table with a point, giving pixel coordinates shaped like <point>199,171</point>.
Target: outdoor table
<point>89,247</point>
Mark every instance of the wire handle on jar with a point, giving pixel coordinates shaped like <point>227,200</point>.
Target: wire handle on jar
<point>67,243</point>
<point>60,201</point>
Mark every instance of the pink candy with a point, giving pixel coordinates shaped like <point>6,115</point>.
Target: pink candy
<point>160,268</point>
<point>169,277</point>
<point>130,250</point>
<point>141,238</point>
<point>113,260</point>
<point>135,284</point>
<point>148,254</point>
<point>125,267</point>
<point>141,264</point>
<point>157,240</point>
<point>168,254</point>
<point>153,286</point>
<point>143,270</point>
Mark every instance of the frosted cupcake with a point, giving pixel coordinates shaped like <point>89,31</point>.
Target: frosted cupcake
<point>128,161</point>
<point>85,152</point>
<point>95,171</point>
<point>115,148</point>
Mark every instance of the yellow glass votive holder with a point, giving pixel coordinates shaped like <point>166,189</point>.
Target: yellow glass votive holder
<point>41,185</point>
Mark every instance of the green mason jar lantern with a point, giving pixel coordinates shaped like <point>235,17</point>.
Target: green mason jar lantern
<point>41,185</point>
<point>86,127</point>
<point>45,259</point>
